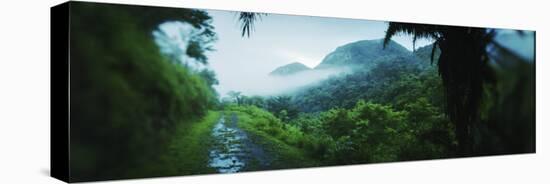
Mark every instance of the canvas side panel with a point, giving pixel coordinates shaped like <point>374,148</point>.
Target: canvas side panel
<point>59,92</point>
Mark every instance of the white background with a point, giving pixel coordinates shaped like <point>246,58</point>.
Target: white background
<point>25,90</point>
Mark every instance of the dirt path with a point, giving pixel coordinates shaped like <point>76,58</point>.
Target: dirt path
<point>233,150</point>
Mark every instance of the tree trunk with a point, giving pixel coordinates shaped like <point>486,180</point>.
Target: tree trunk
<point>463,66</point>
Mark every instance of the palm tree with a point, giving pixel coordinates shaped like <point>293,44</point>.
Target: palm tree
<point>464,70</point>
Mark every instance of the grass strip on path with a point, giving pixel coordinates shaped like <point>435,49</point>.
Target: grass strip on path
<point>284,155</point>
<point>187,151</point>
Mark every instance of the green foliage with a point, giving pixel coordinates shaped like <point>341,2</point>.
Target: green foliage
<point>410,126</point>
<point>308,123</point>
<point>393,81</point>
<point>433,131</point>
<point>463,65</point>
<point>282,107</point>
<point>288,144</point>
<point>186,152</point>
<point>366,133</point>
<point>371,132</point>
<point>337,122</point>
<point>126,98</point>
<point>257,101</point>
<point>209,76</point>
<point>239,99</point>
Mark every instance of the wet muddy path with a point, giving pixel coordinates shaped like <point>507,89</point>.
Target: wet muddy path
<point>233,149</point>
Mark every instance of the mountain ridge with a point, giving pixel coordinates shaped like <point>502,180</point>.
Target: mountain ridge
<point>362,52</point>
<point>289,69</point>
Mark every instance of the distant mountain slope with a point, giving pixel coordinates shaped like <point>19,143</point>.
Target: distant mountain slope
<point>379,76</point>
<point>366,53</point>
<point>425,53</point>
<point>380,83</point>
<point>363,52</point>
<point>289,69</point>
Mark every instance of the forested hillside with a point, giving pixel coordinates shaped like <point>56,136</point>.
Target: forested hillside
<point>392,79</point>
<point>364,52</point>
<point>389,103</point>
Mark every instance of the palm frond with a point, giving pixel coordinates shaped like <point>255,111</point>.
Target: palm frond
<point>247,20</point>
<point>414,42</point>
<point>418,31</point>
<point>434,49</point>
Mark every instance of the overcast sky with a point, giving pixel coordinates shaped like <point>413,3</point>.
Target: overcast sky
<point>282,39</point>
<point>243,64</point>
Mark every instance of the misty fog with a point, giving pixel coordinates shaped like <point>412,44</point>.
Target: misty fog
<point>268,85</point>
<point>243,64</point>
